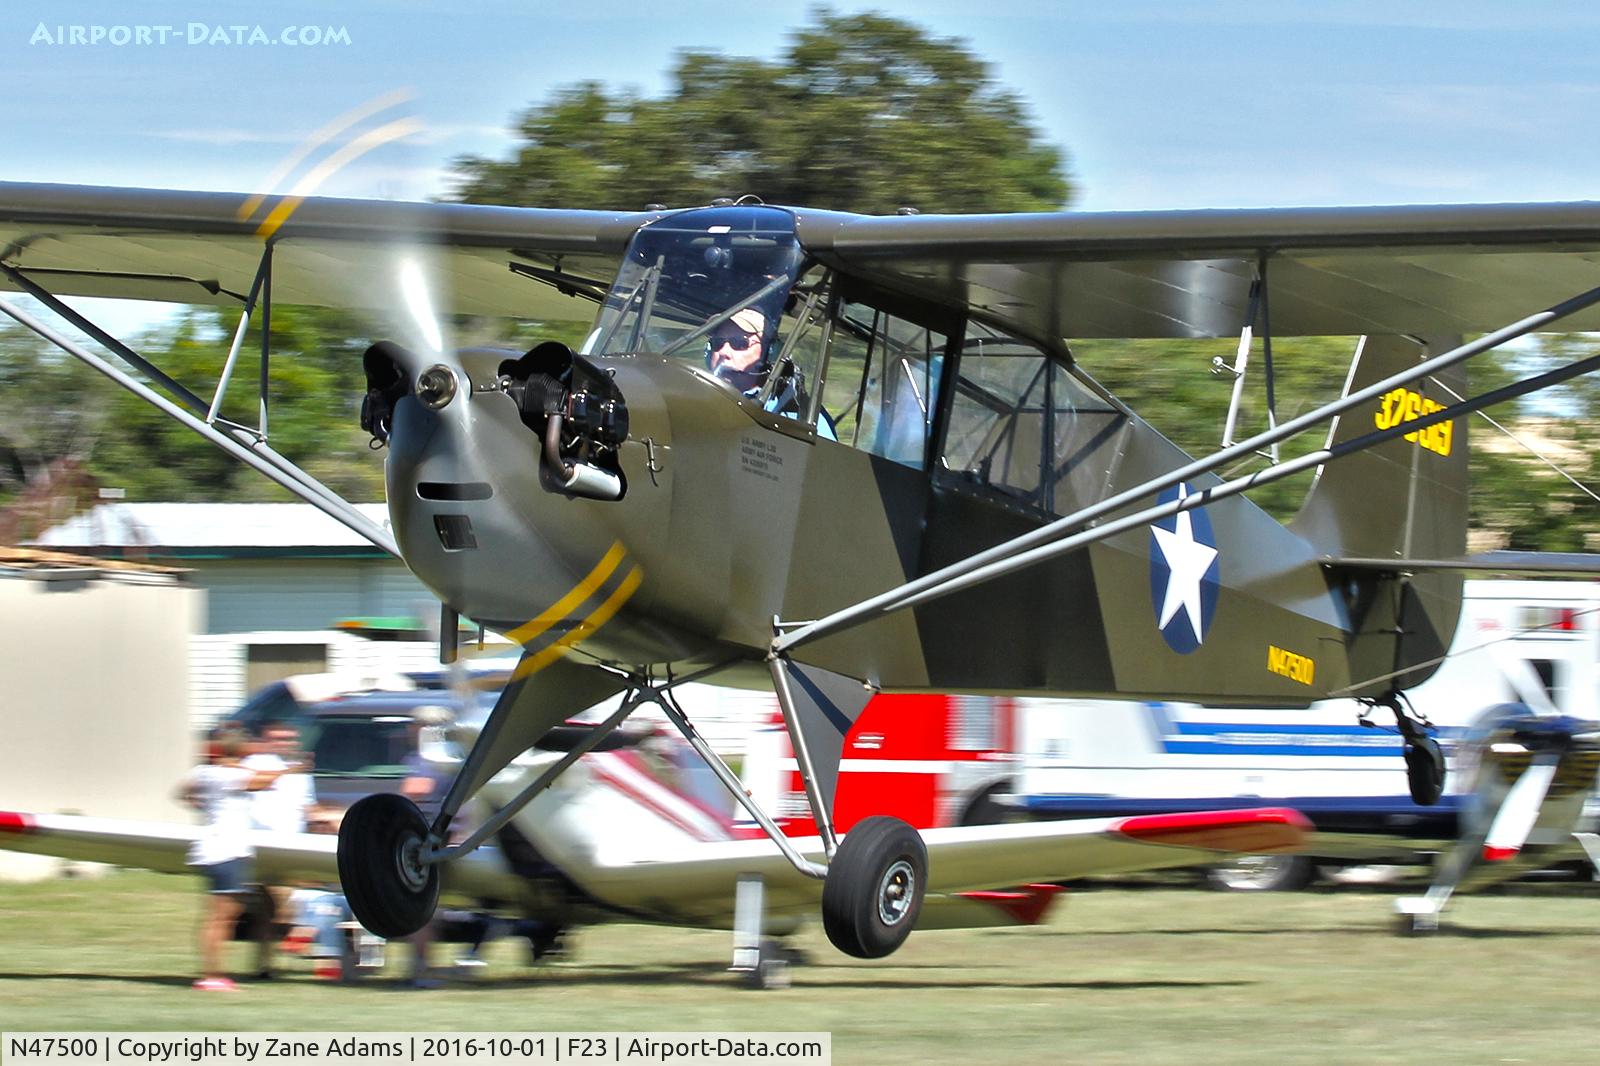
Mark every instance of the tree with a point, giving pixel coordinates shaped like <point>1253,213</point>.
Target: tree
<point>1516,500</point>
<point>1534,472</point>
<point>314,392</point>
<point>56,408</point>
<point>861,113</point>
<point>76,430</point>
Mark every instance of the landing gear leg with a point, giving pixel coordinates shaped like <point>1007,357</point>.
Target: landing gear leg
<point>389,855</point>
<point>876,877</point>
<point>873,886</point>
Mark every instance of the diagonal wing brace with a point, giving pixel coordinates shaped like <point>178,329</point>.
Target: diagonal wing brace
<point>194,413</point>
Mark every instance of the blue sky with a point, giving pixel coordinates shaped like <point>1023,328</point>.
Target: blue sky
<point>1158,104</point>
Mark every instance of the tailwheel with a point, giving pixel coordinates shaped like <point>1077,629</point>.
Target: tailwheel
<point>1424,770</point>
<point>1425,767</point>
<point>391,891</point>
<point>873,892</point>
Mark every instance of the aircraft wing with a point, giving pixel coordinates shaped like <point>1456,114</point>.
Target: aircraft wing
<point>1331,271</point>
<point>694,883</point>
<point>280,858</point>
<point>205,248</point>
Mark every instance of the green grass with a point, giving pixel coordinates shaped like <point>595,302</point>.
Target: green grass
<point>1148,975</point>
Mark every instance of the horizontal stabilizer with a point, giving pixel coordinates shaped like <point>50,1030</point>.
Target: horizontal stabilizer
<point>1248,832</point>
<point>1027,905</point>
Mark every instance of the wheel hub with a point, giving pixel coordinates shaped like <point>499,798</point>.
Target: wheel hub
<point>408,863</point>
<point>895,892</point>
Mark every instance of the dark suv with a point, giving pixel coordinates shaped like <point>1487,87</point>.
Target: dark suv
<point>360,741</point>
<point>360,744</point>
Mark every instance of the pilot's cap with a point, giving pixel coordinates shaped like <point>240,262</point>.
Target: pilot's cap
<point>751,321</point>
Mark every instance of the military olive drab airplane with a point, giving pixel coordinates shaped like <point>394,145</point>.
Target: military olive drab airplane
<point>924,490</point>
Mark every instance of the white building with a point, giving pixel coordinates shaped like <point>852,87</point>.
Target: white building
<point>278,579</point>
<point>96,714</point>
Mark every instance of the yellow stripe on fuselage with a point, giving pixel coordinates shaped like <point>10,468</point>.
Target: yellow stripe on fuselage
<point>572,600</point>
<point>532,664</point>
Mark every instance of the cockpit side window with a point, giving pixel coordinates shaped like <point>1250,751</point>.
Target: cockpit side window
<point>1023,426</point>
<point>882,385</point>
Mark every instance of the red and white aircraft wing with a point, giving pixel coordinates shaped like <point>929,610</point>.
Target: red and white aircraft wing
<point>697,885</point>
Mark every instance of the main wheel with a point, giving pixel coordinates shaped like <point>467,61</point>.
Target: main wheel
<point>1424,770</point>
<point>389,888</point>
<point>874,887</point>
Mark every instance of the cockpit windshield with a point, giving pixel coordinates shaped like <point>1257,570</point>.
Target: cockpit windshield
<point>692,277</point>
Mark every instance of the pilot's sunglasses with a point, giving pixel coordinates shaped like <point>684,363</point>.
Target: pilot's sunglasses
<point>737,341</point>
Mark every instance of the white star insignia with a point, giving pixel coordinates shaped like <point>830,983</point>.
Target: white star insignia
<point>1188,560</point>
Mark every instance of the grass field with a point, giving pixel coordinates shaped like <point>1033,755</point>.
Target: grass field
<point>1150,975</point>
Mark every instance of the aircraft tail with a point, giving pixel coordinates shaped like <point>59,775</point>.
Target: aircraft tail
<point>1404,499</point>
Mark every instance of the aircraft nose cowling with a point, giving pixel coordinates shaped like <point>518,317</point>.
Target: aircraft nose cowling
<point>479,520</point>
<point>457,528</point>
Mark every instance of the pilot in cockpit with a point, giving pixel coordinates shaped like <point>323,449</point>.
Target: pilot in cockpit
<point>736,352</point>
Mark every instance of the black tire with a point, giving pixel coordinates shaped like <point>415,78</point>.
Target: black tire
<point>1424,771</point>
<point>985,809</point>
<point>388,889</point>
<point>873,892</point>
<point>1262,873</point>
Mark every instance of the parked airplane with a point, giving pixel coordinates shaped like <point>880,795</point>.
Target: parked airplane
<point>1529,776</point>
<point>630,835</point>
<point>839,454</point>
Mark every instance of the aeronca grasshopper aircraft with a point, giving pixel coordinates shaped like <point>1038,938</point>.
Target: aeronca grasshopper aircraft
<point>841,454</point>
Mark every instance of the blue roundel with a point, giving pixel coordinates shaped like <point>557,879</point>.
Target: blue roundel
<point>1185,569</point>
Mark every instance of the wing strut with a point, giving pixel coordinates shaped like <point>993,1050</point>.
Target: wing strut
<point>1257,309</point>
<point>1053,539</point>
<point>253,453</point>
<point>1241,360</point>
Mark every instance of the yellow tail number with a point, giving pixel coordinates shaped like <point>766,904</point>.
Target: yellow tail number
<point>1403,405</point>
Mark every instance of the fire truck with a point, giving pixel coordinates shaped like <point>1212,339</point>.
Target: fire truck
<point>930,760</point>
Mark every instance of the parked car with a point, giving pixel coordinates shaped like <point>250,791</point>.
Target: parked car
<point>360,743</point>
<point>287,700</point>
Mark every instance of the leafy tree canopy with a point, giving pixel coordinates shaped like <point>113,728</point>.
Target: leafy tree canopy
<point>861,113</point>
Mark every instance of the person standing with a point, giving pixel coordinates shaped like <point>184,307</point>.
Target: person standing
<point>282,807</point>
<point>222,852</point>
<point>426,785</point>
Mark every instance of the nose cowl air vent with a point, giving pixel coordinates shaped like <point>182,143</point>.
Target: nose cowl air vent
<point>455,532</point>
<point>577,410</point>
